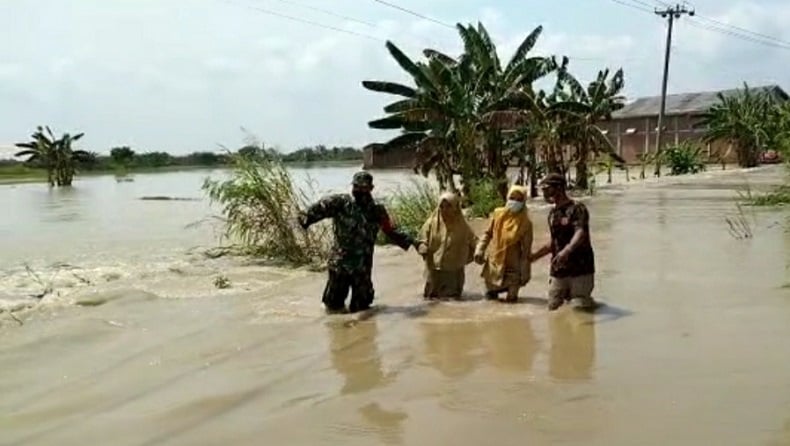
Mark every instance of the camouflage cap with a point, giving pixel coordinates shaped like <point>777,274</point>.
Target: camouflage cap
<point>362,179</point>
<point>554,180</point>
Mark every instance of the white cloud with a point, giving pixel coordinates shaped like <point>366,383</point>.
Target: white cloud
<point>158,75</point>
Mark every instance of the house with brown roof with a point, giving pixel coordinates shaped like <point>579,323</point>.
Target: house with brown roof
<point>632,129</point>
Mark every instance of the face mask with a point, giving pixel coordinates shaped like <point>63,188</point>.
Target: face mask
<point>515,206</point>
<point>548,196</point>
<point>362,197</point>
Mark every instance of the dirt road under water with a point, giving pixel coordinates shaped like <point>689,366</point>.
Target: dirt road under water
<point>690,349</point>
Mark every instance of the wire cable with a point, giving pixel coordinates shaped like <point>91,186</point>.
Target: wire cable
<point>300,20</point>
<point>414,13</point>
<point>327,12</point>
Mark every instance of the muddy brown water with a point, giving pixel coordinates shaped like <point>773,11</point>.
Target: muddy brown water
<point>690,348</point>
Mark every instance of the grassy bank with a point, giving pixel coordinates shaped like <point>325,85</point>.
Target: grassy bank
<point>20,173</point>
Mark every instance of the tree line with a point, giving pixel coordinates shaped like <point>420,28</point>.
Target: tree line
<point>61,162</point>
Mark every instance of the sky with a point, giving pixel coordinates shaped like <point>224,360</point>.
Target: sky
<point>188,75</point>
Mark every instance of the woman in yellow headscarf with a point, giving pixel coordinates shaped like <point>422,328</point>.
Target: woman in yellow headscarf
<point>447,244</point>
<point>504,250</point>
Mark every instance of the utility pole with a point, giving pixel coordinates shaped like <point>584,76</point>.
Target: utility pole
<point>671,14</point>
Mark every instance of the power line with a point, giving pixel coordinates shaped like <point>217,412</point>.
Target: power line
<point>425,17</point>
<point>719,27</point>
<point>368,36</point>
<point>300,20</point>
<point>632,5</point>
<point>327,12</point>
<point>414,13</point>
<point>721,30</point>
<point>653,5</point>
<point>744,30</point>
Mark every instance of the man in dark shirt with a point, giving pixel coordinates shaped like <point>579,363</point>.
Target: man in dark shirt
<point>572,274</point>
<point>357,219</point>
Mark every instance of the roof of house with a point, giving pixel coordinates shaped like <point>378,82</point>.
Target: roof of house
<point>686,103</point>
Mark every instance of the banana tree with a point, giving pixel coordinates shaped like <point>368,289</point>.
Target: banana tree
<point>454,116</point>
<point>503,94</point>
<point>743,120</point>
<point>53,154</point>
<point>40,150</point>
<point>585,108</point>
<point>68,159</point>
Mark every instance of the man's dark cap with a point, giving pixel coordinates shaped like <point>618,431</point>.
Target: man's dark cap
<point>554,180</point>
<point>362,179</point>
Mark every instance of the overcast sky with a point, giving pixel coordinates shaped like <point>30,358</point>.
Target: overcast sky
<point>185,75</point>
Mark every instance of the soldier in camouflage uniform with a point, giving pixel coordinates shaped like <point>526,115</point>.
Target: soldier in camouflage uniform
<point>357,219</point>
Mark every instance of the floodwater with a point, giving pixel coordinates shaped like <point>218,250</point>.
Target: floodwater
<point>135,345</point>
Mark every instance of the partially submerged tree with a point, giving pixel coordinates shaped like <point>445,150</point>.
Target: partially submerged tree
<point>55,155</point>
<point>751,121</point>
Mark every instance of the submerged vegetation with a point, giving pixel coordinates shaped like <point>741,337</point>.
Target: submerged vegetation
<point>780,196</point>
<point>260,204</point>
<point>684,158</point>
<point>752,122</point>
<point>261,201</point>
<point>53,155</point>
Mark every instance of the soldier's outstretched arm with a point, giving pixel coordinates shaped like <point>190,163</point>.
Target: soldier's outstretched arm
<point>395,235</point>
<point>324,208</point>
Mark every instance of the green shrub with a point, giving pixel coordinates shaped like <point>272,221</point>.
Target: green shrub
<point>260,205</point>
<point>410,207</point>
<point>484,198</point>
<point>684,158</point>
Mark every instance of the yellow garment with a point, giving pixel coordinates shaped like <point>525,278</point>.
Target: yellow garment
<point>508,244</point>
<point>450,244</point>
<point>508,228</point>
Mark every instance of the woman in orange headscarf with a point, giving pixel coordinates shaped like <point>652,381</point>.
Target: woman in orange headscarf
<point>447,244</point>
<point>504,250</point>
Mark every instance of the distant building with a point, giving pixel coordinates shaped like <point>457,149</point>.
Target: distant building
<point>632,129</point>
<point>378,156</point>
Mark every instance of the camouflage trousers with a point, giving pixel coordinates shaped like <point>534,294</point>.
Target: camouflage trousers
<point>338,285</point>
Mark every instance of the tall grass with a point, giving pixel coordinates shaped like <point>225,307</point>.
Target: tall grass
<point>738,225</point>
<point>410,207</point>
<point>260,204</point>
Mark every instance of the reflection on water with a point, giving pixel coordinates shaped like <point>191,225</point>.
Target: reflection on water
<point>452,349</point>
<point>355,356</point>
<point>572,352</point>
<point>61,204</point>
<point>511,344</point>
